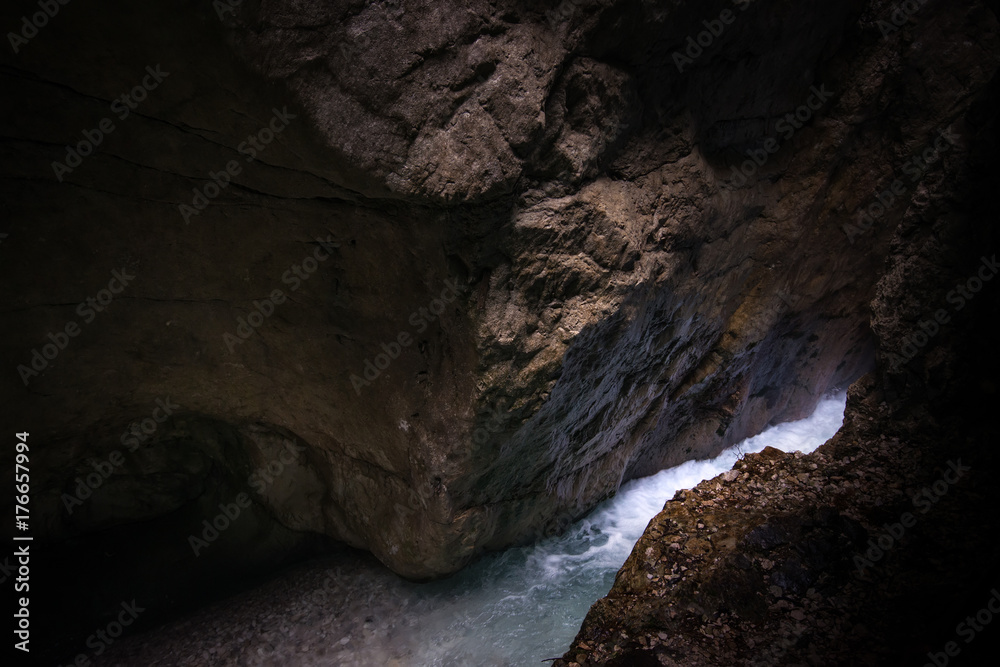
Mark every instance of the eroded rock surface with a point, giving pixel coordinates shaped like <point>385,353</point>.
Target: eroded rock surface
<point>779,563</point>
<point>624,302</point>
<point>880,547</point>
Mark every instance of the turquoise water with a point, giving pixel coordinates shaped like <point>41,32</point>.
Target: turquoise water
<point>524,605</point>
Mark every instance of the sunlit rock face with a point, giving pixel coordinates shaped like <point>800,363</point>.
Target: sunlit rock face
<point>450,272</point>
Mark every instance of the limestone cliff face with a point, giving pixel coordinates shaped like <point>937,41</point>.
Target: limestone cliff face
<point>879,546</point>
<point>450,272</point>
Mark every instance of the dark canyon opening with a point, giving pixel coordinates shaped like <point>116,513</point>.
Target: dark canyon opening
<point>407,289</point>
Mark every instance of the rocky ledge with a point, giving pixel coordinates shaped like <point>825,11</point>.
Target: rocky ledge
<point>817,559</point>
<point>878,548</point>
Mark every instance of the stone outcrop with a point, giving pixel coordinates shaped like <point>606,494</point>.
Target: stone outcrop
<point>880,547</point>
<point>450,272</point>
<point>870,551</point>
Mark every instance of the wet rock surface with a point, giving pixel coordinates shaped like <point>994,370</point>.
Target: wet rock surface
<point>547,209</point>
<point>869,551</point>
<point>879,548</point>
<point>343,610</point>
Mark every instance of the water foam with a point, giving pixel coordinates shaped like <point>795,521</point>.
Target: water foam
<point>524,605</point>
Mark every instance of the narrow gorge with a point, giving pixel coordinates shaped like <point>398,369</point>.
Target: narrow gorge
<point>404,291</point>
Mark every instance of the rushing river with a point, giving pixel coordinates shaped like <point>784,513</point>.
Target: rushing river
<point>524,605</point>
<point>517,607</point>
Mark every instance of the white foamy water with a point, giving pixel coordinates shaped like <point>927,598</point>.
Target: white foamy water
<point>524,605</point>
<point>517,607</point>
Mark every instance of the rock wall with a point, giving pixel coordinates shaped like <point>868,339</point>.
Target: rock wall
<point>446,275</point>
<point>879,548</point>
